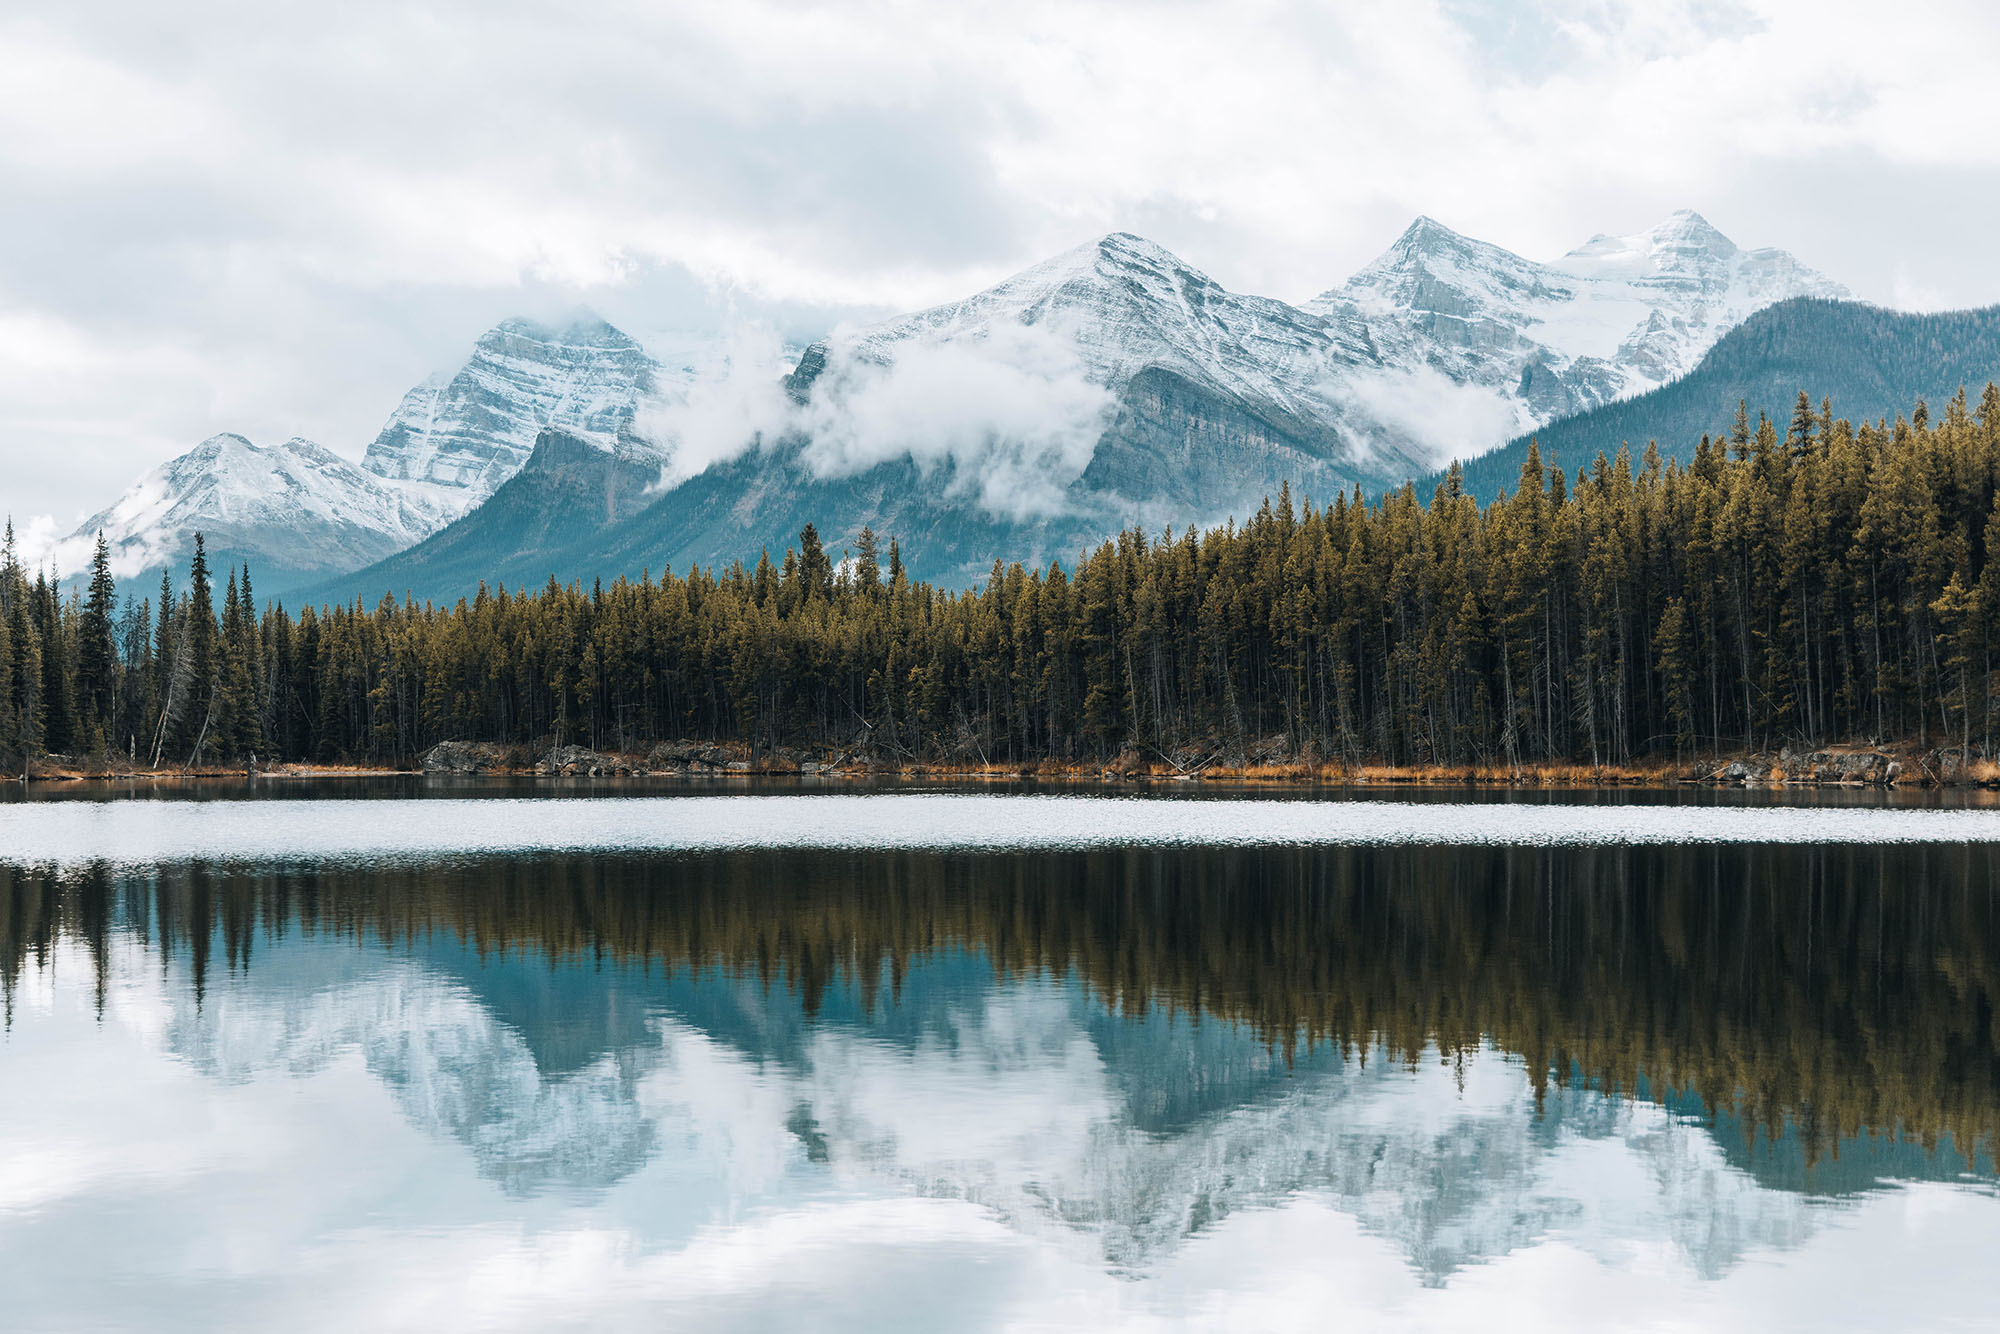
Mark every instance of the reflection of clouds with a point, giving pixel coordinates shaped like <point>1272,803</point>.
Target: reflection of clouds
<point>968,1160</point>
<point>1452,1165</point>
<point>1014,1092</point>
<point>1004,1100</point>
<point>451,1066</point>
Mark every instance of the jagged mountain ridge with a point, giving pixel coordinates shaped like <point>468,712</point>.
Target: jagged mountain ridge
<point>469,433</point>
<point>1111,386</point>
<point>1139,392</point>
<point>1616,316</point>
<point>1122,305</point>
<point>300,514</point>
<point>1115,385</point>
<point>1870,363</point>
<point>292,510</point>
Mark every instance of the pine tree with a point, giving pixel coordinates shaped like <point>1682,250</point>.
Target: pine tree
<point>196,725</point>
<point>97,656</point>
<point>58,692</point>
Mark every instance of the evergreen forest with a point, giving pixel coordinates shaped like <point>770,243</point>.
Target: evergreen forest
<point>1793,583</point>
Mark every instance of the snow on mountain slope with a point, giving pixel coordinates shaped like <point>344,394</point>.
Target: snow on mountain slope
<point>1614,317</point>
<point>1443,346</point>
<point>1124,304</point>
<point>1109,386</point>
<point>1096,369</point>
<point>1696,284</point>
<point>468,433</point>
<point>295,507</point>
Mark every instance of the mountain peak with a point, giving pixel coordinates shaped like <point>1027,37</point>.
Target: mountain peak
<point>472,431</point>
<point>1428,239</point>
<point>1427,231</point>
<point>1431,264</point>
<point>1687,220</point>
<point>1687,230</point>
<point>222,440</point>
<point>582,328</point>
<point>1682,243</point>
<point>1117,248</point>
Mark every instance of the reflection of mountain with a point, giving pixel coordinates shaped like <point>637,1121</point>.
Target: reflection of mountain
<point>455,1065</point>
<point>1025,1097</point>
<point>1452,1165</point>
<point>1133,1046</point>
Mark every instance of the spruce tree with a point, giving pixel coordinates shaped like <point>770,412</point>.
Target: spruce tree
<point>97,655</point>
<point>195,728</point>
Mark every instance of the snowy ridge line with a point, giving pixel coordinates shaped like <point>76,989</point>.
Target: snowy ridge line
<point>142,833</point>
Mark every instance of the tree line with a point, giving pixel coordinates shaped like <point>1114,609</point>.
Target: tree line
<point>1817,582</point>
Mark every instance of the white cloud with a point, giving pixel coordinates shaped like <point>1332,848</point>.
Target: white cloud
<point>276,228</point>
<point>734,399</point>
<point>1008,421</point>
<point>38,543</point>
<point>1013,415</point>
<point>1449,420</point>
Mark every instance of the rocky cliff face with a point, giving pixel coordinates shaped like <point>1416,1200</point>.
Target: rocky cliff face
<point>299,513</point>
<point>1111,386</point>
<point>1616,316</point>
<point>1173,353</point>
<point>569,490</point>
<point>1116,385</point>
<point>292,510</point>
<point>469,433</point>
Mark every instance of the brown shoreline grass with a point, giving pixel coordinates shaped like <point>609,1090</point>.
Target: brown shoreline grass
<point>1658,773</point>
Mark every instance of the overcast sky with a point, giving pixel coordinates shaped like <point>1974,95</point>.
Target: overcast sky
<point>274,219</point>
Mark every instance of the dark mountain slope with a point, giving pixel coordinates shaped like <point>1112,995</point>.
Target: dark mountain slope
<point>1175,453</point>
<point>1871,362</point>
<point>569,491</point>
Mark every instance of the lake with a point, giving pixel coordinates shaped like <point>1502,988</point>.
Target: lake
<point>409,1055</point>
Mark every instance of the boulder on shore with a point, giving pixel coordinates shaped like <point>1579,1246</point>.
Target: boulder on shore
<point>1742,771</point>
<point>573,761</point>
<point>464,757</point>
<point>687,755</point>
<point>1842,765</point>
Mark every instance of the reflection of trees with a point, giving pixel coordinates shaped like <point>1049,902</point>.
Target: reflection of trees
<point>1840,989</point>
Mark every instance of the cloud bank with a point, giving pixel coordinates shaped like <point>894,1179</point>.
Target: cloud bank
<point>1013,415</point>
<point>1007,422</point>
<point>277,227</point>
<point>1447,419</point>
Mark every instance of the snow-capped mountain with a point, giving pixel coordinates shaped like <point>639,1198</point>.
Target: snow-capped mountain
<point>299,513</point>
<point>1616,316</point>
<point>471,431</point>
<point>1035,1108</point>
<point>1117,386</point>
<point>290,509</point>
<point>1111,386</point>
<point>1113,309</point>
<point>1114,381</point>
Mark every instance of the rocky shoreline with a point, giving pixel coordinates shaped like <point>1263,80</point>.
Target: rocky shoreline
<point>1849,766</point>
<point>1827,767</point>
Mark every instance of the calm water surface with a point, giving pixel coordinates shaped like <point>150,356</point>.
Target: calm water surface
<point>918,1060</point>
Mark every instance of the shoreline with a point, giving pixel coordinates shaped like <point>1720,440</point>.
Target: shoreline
<point>1846,768</point>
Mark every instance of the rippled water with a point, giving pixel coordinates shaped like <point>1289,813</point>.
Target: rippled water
<point>936,1062</point>
<point>138,833</point>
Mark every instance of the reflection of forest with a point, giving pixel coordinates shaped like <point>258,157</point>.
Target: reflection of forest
<point>1836,990</point>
